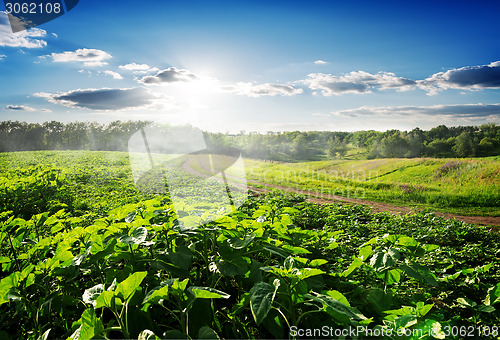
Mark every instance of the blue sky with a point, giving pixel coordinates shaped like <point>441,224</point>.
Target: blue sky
<point>258,65</point>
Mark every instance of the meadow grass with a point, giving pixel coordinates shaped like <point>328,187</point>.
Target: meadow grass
<point>466,186</point>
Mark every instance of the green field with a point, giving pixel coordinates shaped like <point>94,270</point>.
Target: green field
<point>462,186</point>
<point>85,255</point>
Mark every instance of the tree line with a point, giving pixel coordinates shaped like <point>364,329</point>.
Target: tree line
<point>440,141</point>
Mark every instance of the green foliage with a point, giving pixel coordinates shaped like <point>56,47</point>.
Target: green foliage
<point>135,271</point>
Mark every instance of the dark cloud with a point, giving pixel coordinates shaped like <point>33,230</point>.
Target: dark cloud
<point>18,108</point>
<point>103,99</point>
<point>170,75</point>
<point>468,78</point>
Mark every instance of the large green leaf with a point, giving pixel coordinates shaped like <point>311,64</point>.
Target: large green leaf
<point>352,267</point>
<point>91,325</point>
<point>105,299</point>
<point>337,310</point>
<point>261,299</point>
<point>382,260</point>
<point>207,333</point>
<point>237,243</point>
<point>207,293</point>
<point>420,273</point>
<point>127,287</point>
<point>181,257</point>
<point>157,294</point>
<point>138,236</point>
<point>405,321</point>
<point>380,300</point>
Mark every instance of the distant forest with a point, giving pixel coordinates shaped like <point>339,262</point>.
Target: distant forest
<point>441,141</point>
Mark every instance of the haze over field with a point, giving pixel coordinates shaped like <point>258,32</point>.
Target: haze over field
<point>258,65</point>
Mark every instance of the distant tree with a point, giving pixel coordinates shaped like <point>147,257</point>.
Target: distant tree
<point>489,147</point>
<point>439,132</point>
<point>337,146</point>
<point>464,145</point>
<point>393,145</point>
<point>415,139</point>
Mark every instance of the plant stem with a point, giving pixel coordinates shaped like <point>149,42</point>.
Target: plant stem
<point>14,252</point>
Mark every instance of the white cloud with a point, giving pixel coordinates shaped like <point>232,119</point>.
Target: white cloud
<point>106,99</point>
<point>2,56</point>
<point>31,38</point>
<point>320,62</point>
<point>23,108</point>
<point>168,76</point>
<point>259,90</point>
<point>356,82</point>
<point>138,68</point>
<point>465,78</point>
<point>113,74</point>
<point>89,57</point>
<point>456,110</point>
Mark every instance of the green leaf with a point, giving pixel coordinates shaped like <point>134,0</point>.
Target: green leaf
<point>127,287</point>
<point>493,295</point>
<point>105,299</point>
<point>261,299</point>
<point>295,250</point>
<point>332,245</point>
<point>130,217</point>
<point>237,243</point>
<point>157,294</point>
<point>90,295</point>
<point>305,273</point>
<point>337,310</point>
<point>207,333</point>
<point>393,276</point>
<point>420,273</point>
<point>289,263</point>
<point>181,257</point>
<point>466,302</point>
<point>422,309</point>
<point>405,321</point>
<point>486,309</point>
<point>91,325</point>
<point>207,293</point>
<point>430,247</point>
<point>365,252</point>
<point>355,264</point>
<point>407,241</point>
<point>380,300</point>
<point>382,260</point>
<point>138,236</point>
<point>337,296</point>
<point>318,262</point>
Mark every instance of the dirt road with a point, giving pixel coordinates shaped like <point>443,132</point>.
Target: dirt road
<point>375,206</point>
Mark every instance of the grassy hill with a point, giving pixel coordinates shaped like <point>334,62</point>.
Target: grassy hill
<point>466,186</point>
